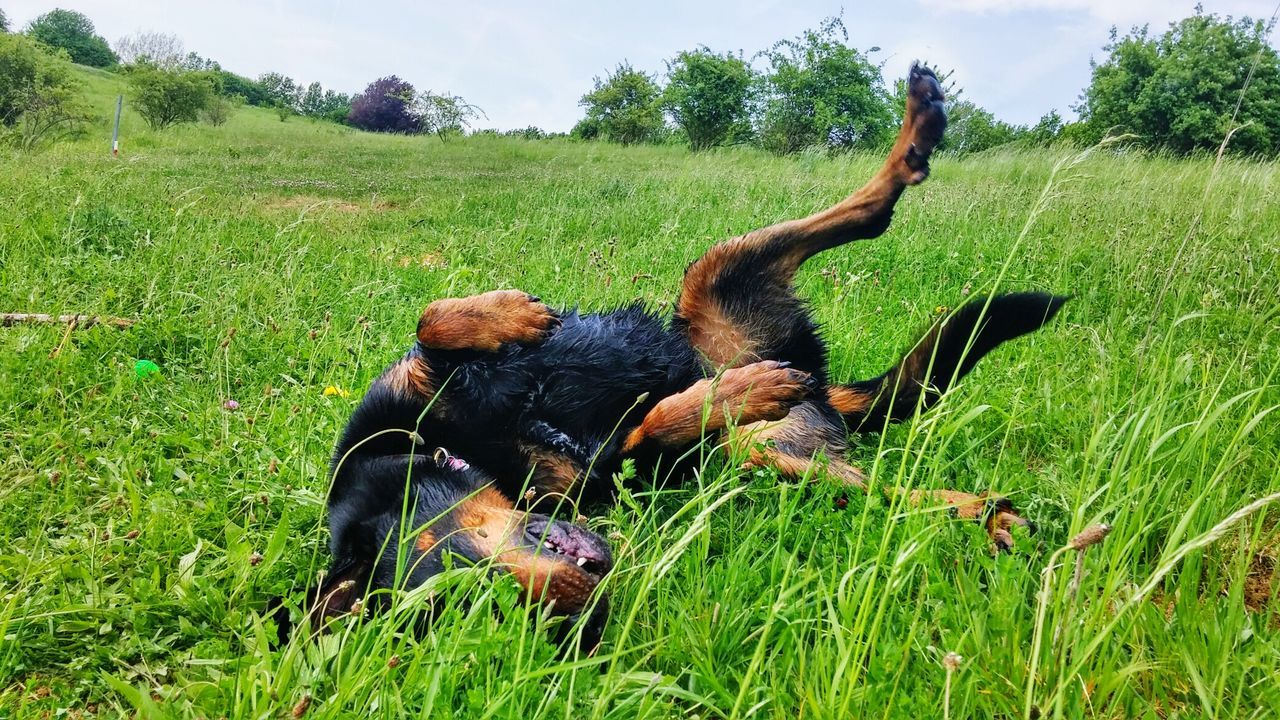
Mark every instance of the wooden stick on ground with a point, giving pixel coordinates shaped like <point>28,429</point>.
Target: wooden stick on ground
<point>80,321</point>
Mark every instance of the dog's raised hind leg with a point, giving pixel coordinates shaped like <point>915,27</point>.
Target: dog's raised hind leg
<point>737,304</point>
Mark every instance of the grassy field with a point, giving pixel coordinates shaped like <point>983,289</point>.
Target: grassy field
<point>265,262</point>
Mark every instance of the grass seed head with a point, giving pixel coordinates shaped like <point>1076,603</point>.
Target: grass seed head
<point>952,661</point>
<point>301,708</point>
<point>1091,535</point>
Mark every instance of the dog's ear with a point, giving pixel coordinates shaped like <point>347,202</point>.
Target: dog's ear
<point>343,584</point>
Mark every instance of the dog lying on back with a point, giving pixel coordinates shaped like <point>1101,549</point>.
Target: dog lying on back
<point>535,405</point>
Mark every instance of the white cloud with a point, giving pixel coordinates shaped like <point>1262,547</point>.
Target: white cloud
<point>1117,12</point>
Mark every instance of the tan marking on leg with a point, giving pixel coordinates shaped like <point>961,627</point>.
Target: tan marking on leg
<point>426,541</point>
<point>484,322</point>
<point>759,391</point>
<point>847,400</point>
<point>711,331</point>
<point>967,506</point>
<point>552,471</point>
<point>797,467</point>
<point>411,377</point>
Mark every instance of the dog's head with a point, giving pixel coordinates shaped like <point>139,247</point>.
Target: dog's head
<point>454,516</point>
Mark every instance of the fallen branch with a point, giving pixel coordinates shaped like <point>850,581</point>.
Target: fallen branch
<point>80,321</point>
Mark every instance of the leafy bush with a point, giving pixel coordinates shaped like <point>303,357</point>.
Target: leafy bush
<point>587,128</point>
<point>39,96</point>
<point>1179,91</point>
<point>1047,130</point>
<point>232,85</point>
<point>531,132</point>
<point>386,105</point>
<point>445,114</point>
<point>218,110</point>
<point>73,32</point>
<point>165,97</point>
<point>624,107</point>
<point>708,96</point>
<point>819,91</point>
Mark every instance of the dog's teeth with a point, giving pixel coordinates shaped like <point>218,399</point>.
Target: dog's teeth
<point>582,561</point>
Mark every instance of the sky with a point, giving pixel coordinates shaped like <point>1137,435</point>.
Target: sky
<point>528,62</point>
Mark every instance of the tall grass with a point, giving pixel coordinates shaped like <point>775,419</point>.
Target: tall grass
<point>268,261</point>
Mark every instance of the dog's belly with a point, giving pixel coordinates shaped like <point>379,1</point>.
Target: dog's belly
<point>570,396</point>
<point>601,369</point>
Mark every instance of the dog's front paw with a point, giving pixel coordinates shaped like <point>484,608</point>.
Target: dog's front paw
<point>486,322</point>
<point>521,318</point>
<point>765,390</point>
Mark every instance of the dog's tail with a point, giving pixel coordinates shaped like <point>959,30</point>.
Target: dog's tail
<point>945,354</point>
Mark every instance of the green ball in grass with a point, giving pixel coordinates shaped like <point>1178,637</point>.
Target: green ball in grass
<point>145,369</point>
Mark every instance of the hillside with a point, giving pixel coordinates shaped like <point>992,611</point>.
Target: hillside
<point>265,262</point>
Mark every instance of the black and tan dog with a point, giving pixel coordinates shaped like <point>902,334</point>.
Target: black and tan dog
<point>535,405</point>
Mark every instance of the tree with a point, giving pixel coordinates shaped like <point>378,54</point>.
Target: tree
<point>73,32</point>
<point>165,97</point>
<point>312,100</point>
<point>317,102</point>
<point>625,107</point>
<point>281,91</point>
<point>160,49</point>
<point>972,129</point>
<point>445,113</point>
<point>531,132</point>
<point>39,95</point>
<point>194,61</point>
<point>820,91</point>
<point>708,96</point>
<point>4,22</point>
<point>1179,90</point>
<point>386,105</point>
<point>335,106</point>
<point>586,129</point>
<point>1047,130</point>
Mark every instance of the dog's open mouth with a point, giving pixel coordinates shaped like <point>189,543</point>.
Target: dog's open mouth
<point>570,543</point>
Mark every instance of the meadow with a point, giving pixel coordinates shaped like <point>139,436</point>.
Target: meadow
<point>144,525</point>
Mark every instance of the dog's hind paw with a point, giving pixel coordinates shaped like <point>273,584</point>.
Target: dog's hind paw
<point>924,122</point>
<point>995,513</point>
